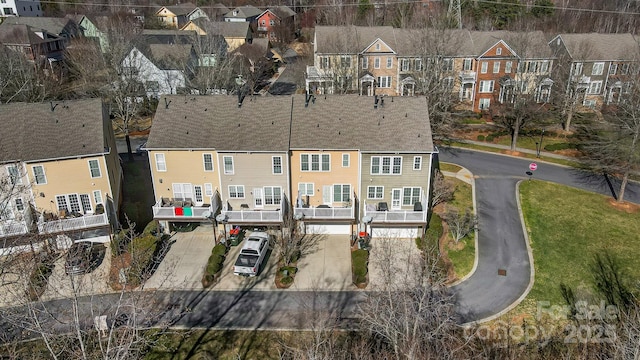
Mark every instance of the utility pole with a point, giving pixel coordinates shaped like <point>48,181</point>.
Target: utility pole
<point>454,12</point>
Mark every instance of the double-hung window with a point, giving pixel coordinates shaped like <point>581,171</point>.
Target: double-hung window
<point>236,191</point>
<point>39,175</point>
<point>496,67</point>
<point>365,62</point>
<point>386,165</point>
<point>417,163</point>
<point>597,69</point>
<point>341,192</point>
<point>484,67</point>
<point>272,195</point>
<point>228,165</point>
<point>384,81</point>
<point>276,162</point>
<point>375,192</point>
<point>389,62</point>
<point>467,65</point>
<point>207,160</point>
<point>410,195</point>
<point>14,175</point>
<point>486,86</point>
<point>345,160</point>
<point>305,189</point>
<point>507,67</point>
<point>161,164</point>
<point>595,87</point>
<point>376,62</point>
<point>405,64</point>
<point>94,168</point>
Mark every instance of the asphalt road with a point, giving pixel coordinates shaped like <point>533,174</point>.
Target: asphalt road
<point>501,243</point>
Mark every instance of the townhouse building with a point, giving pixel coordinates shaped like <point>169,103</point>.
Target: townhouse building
<point>54,186</point>
<point>176,16</point>
<point>276,22</point>
<point>477,67</point>
<point>9,8</point>
<point>599,66</point>
<point>260,161</point>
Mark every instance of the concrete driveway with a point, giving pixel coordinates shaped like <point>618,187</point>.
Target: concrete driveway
<point>390,260</point>
<point>186,260</point>
<point>325,265</point>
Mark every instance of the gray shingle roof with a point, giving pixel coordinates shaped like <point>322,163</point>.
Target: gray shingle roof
<point>52,25</point>
<point>225,28</point>
<point>180,9</point>
<point>244,12</point>
<point>20,34</point>
<point>594,46</point>
<point>351,122</point>
<point>407,42</point>
<point>31,131</point>
<point>262,124</point>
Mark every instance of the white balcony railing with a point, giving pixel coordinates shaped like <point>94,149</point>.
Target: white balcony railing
<point>326,213</point>
<point>11,228</point>
<point>397,216</point>
<point>180,213</point>
<point>249,216</point>
<point>262,28</point>
<point>82,222</point>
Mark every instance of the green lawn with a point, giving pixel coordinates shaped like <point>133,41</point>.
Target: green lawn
<point>463,259</point>
<point>449,167</point>
<point>523,155</point>
<point>566,228</point>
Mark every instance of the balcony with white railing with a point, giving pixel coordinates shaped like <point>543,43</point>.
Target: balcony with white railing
<point>381,214</point>
<point>325,213</point>
<point>252,216</point>
<point>13,228</point>
<point>166,209</point>
<point>73,223</point>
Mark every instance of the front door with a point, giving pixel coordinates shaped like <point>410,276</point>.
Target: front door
<point>326,194</point>
<point>258,201</point>
<point>396,199</point>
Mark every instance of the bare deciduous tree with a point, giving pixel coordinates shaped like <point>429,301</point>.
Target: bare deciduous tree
<point>442,190</point>
<point>460,223</point>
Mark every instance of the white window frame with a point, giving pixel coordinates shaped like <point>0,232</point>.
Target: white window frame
<point>341,194</point>
<point>376,62</point>
<point>484,67</point>
<point>311,161</point>
<point>35,175</point>
<point>384,82</point>
<point>417,64</point>
<point>597,69</point>
<point>346,160</point>
<point>184,189</point>
<point>405,65</point>
<point>208,189</point>
<point>97,163</point>
<point>97,197</point>
<point>19,203</point>
<point>228,167</point>
<point>484,104</point>
<point>482,88</point>
<point>577,68</point>
<point>274,165</point>
<point>269,195</point>
<point>507,67</point>
<point>306,189</point>
<point>235,194</point>
<point>86,206</point>
<point>412,198</point>
<point>417,163</point>
<point>593,86</point>
<point>205,162</point>
<point>378,192</point>
<point>389,62</point>
<point>467,64</point>
<point>365,62</point>
<point>496,67</point>
<point>544,66</point>
<point>613,68</point>
<point>14,174</point>
<point>499,51</point>
<point>198,198</point>
<point>381,167</point>
<point>161,162</point>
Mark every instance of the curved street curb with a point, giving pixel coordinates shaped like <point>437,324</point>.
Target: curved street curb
<point>531,272</point>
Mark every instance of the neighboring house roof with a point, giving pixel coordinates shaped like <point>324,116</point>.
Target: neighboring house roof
<point>595,46</point>
<point>166,37</point>
<point>217,10</point>
<point>224,28</point>
<point>32,131</point>
<point>262,124</point>
<point>282,11</point>
<point>180,9</point>
<point>57,26</point>
<point>216,122</point>
<point>13,34</point>
<point>352,122</point>
<point>169,56</point>
<point>257,46</point>
<point>243,12</point>
<point>408,42</point>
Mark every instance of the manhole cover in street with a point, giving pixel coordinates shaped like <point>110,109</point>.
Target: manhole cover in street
<point>502,272</point>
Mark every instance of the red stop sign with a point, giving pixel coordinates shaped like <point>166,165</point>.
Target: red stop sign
<point>533,166</point>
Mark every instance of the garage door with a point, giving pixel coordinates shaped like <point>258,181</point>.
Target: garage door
<point>395,232</point>
<point>328,229</point>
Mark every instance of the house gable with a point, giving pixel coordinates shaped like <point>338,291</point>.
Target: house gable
<point>499,47</point>
<point>379,46</point>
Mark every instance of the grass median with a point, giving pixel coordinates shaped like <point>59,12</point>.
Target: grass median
<point>462,254</point>
<point>566,228</point>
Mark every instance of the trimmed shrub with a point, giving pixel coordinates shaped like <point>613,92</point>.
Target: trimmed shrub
<point>480,137</point>
<point>560,146</point>
<point>359,261</point>
<point>219,249</point>
<point>490,138</point>
<point>290,270</point>
<point>286,280</point>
